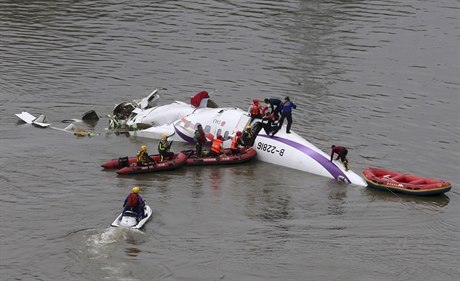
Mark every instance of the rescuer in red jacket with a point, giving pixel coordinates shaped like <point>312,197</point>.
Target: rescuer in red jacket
<point>341,153</point>
<point>134,203</point>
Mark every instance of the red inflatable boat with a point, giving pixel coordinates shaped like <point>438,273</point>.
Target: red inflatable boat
<point>404,183</point>
<point>245,155</point>
<point>128,165</point>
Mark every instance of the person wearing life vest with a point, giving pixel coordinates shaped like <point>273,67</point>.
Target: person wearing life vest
<point>143,158</point>
<point>255,110</point>
<point>247,136</point>
<point>134,203</point>
<point>216,147</point>
<point>342,154</point>
<point>163,148</point>
<point>236,142</point>
<point>200,139</point>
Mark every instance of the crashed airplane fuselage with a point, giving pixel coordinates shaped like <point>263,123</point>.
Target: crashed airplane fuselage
<point>180,120</point>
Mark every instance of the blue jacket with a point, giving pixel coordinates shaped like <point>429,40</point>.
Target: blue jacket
<point>288,106</point>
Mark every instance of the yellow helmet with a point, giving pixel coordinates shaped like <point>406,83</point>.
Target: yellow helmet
<point>248,127</point>
<point>136,189</point>
<point>144,148</point>
<point>164,136</point>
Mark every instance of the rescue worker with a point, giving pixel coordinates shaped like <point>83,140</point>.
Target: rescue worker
<point>236,142</point>
<point>270,123</point>
<point>275,105</point>
<point>247,136</point>
<point>341,153</point>
<point>216,147</point>
<point>163,148</point>
<point>200,139</point>
<point>143,158</point>
<point>134,203</point>
<point>286,112</point>
<point>255,110</point>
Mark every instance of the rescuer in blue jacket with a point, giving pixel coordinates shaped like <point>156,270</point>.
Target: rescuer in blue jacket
<point>286,112</point>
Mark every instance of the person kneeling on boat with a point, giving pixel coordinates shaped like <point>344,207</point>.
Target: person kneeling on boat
<point>163,148</point>
<point>236,142</point>
<point>134,203</point>
<point>342,154</point>
<point>216,147</point>
<point>143,158</point>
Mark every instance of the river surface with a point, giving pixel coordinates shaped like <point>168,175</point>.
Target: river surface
<point>380,77</point>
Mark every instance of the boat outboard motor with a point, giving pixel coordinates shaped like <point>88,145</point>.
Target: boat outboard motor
<point>123,162</point>
<point>129,219</point>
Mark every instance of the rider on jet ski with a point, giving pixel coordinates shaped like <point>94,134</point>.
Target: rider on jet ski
<point>134,203</point>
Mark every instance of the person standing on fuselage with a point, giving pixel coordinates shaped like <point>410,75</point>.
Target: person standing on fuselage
<point>286,112</point>
<point>275,105</point>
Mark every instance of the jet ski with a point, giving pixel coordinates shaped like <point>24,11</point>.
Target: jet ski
<point>130,220</point>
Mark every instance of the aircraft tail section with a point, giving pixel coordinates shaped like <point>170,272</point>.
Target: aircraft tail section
<point>40,119</point>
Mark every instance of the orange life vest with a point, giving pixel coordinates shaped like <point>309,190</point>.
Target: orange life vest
<point>216,145</point>
<point>255,109</point>
<point>235,142</point>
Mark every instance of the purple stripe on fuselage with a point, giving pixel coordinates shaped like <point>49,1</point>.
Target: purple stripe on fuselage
<point>190,139</point>
<point>183,136</point>
<point>329,166</point>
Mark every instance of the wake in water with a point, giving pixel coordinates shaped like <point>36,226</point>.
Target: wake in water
<point>110,252</point>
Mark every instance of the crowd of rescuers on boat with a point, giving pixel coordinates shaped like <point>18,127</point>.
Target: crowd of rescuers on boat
<point>239,140</point>
<point>272,120</point>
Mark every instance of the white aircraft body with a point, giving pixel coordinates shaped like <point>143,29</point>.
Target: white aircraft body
<point>289,150</point>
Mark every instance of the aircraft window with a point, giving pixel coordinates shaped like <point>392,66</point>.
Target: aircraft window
<point>218,132</point>
<point>207,129</point>
<point>187,124</point>
<point>226,135</point>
